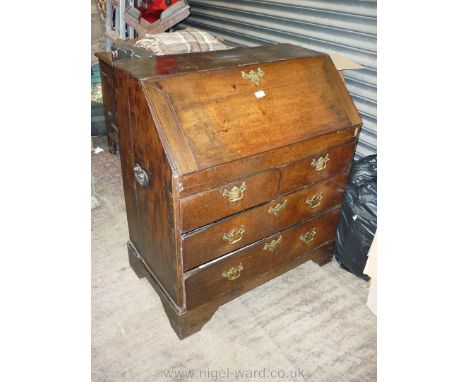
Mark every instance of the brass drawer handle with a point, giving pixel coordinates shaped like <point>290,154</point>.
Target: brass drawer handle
<point>234,235</point>
<point>254,75</point>
<point>235,193</point>
<point>320,163</point>
<point>140,175</point>
<point>271,246</point>
<point>233,273</point>
<point>277,209</point>
<point>308,236</point>
<point>314,201</point>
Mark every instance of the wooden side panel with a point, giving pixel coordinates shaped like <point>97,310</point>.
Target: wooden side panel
<point>176,143</point>
<point>126,156</point>
<point>109,104</point>
<point>154,237</point>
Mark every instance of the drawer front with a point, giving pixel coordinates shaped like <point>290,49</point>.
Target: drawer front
<point>220,277</point>
<point>209,206</point>
<point>247,227</point>
<point>315,168</point>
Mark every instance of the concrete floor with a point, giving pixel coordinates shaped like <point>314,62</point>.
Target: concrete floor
<point>311,324</point>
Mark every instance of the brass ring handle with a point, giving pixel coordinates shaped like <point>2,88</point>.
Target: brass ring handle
<point>254,75</point>
<point>320,163</point>
<point>308,236</point>
<point>234,235</point>
<point>236,193</point>
<point>314,201</point>
<point>277,209</point>
<point>233,273</point>
<point>140,175</point>
<point>271,246</point>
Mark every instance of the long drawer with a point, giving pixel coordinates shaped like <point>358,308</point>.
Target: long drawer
<point>316,168</point>
<point>220,277</point>
<point>205,207</point>
<point>252,225</point>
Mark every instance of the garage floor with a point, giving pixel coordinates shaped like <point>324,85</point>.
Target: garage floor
<point>310,324</point>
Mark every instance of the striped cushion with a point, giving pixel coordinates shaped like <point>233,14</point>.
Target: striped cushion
<point>185,41</point>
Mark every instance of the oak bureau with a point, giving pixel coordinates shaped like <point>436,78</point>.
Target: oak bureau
<point>234,166</point>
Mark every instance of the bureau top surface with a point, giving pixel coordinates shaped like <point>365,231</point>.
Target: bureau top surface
<point>182,63</point>
<point>218,107</point>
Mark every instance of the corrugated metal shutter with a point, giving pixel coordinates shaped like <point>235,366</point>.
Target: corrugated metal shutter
<point>347,27</point>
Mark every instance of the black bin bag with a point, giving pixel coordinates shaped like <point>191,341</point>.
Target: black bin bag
<point>358,217</point>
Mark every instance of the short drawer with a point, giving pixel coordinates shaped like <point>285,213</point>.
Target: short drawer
<point>316,168</point>
<point>220,277</point>
<point>235,232</point>
<point>206,207</point>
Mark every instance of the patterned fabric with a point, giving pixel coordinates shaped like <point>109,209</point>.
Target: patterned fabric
<point>188,40</point>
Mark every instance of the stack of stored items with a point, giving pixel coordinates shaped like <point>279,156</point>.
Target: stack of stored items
<point>156,17</point>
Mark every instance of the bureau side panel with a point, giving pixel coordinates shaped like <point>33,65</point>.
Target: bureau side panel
<point>154,234</point>
<point>108,99</point>
<point>121,118</point>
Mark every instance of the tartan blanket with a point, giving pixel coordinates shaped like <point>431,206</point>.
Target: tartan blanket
<point>187,40</point>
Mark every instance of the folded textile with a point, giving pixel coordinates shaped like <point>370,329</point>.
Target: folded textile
<point>188,40</point>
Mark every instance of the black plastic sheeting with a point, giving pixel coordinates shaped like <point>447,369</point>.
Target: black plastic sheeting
<point>358,217</point>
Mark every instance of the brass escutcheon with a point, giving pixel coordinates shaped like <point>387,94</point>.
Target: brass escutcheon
<point>236,193</point>
<point>308,236</point>
<point>314,201</point>
<point>271,246</point>
<point>233,273</point>
<point>320,163</point>
<point>234,235</point>
<point>277,209</point>
<point>254,75</point>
